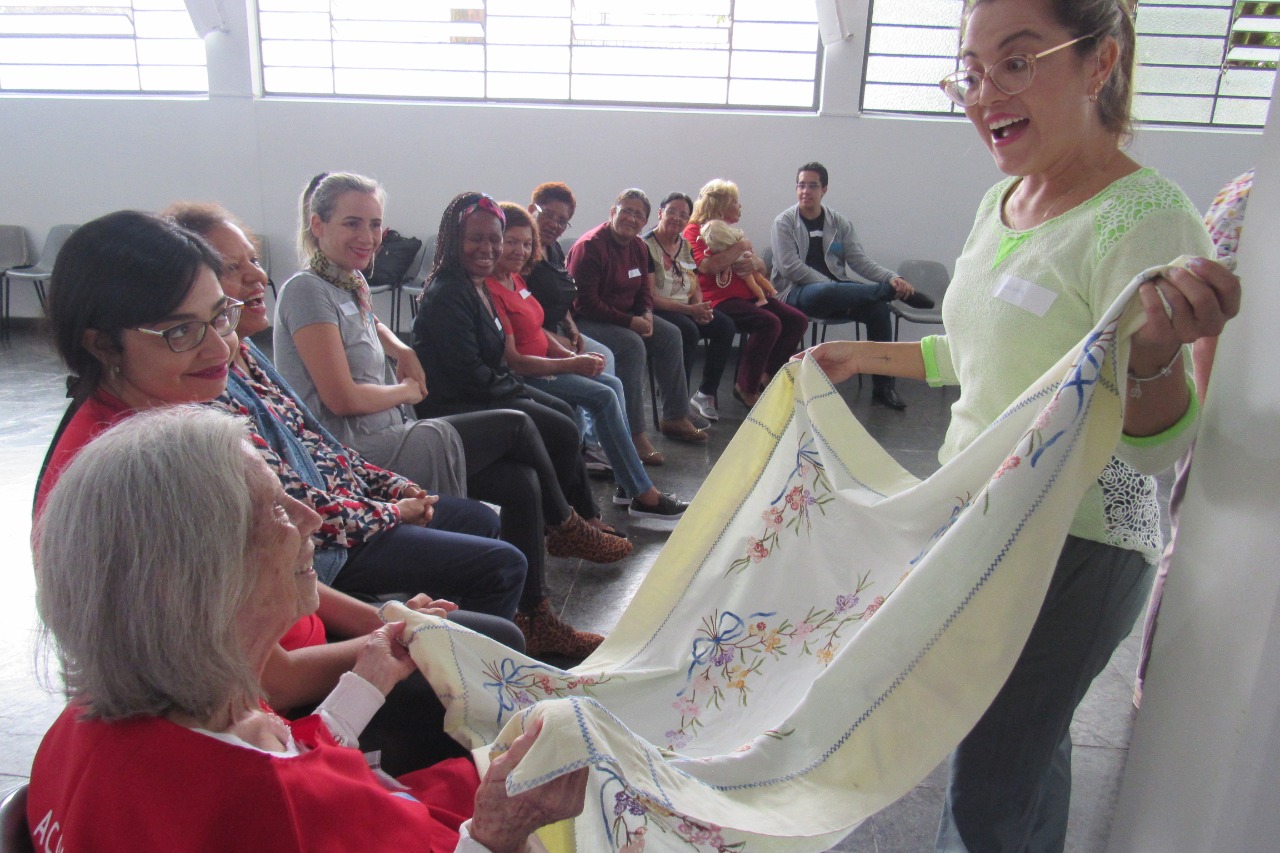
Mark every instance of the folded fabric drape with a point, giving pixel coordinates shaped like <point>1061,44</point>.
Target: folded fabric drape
<point>820,631</point>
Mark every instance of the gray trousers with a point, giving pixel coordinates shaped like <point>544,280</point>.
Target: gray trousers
<point>1011,776</point>
<point>630,351</point>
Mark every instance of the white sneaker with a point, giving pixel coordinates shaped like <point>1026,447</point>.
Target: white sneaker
<point>705,405</point>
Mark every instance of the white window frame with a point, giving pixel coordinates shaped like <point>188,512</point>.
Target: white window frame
<point>1198,75</point>
<point>492,44</point>
<point>139,47</point>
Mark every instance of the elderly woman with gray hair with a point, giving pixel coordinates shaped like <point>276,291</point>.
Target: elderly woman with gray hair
<point>189,561</point>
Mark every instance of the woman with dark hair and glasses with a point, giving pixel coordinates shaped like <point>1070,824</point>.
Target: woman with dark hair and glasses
<point>131,303</point>
<point>678,300</point>
<point>1047,86</point>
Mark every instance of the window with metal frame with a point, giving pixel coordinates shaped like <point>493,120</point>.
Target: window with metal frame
<point>105,46</point>
<point>1200,62</point>
<point>715,53</point>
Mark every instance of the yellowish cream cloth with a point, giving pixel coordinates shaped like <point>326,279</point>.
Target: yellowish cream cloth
<point>820,631</point>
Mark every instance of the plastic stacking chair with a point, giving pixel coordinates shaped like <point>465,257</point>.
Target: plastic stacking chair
<point>930,278</point>
<point>38,273</point>
<point>14,834</point>
<point>13,253</point>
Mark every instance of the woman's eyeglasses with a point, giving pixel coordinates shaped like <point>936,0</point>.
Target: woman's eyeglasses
<point>1011,75</point>
<point>189,335</point>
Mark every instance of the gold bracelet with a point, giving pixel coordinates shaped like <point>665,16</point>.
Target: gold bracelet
<point>1135,389</point>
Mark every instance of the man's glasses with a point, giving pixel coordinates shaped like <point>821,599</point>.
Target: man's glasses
<point>1011,75</point>
<point>189,335</point>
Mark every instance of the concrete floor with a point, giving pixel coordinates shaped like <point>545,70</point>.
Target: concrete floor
<point>589,596</point>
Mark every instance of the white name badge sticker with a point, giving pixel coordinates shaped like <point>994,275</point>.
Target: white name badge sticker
<point>633,273</point>
<point>497,322</point>
<point>815,233</point>
<point>689,265</point>
<point>1025,294</point>
<point>524,293</point>
<point>349,308</point>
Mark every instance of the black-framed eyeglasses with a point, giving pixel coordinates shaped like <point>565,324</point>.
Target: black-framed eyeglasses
<point>1011,75</point>
<point>189,335</point>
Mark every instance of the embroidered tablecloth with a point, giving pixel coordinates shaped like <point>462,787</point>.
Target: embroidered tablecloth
<point>821,629</point>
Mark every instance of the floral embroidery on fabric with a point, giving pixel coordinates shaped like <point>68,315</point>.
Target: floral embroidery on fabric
<point>630,815</point>
<point>521,685</point>
<point>731,651</point>
<point>807,487</point>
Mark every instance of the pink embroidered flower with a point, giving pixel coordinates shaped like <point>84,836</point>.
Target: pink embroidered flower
<point>547,687</point>
<point>1043,418</point>
<point>873,607</point>
<point>707,680</point>
<point>636,844</point>
<point>757,550</point>
<point>795,497</point>
<point>1009,464</point>
<point>803,630</point>
<point>687,707</point>
<point>772,518</point>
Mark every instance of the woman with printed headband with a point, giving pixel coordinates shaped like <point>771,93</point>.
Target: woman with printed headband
<point>1047,86</point>
<point>458,338</point>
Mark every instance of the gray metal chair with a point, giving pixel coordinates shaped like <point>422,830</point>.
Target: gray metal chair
<point>930,278</point>
<point>13,253</point>
<point>417,280</point>
<point>15,836</point>
<point>38,273</point>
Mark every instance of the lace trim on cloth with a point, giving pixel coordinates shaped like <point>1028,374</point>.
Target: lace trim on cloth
<point>1128,201</point>
<point>1131,510</point>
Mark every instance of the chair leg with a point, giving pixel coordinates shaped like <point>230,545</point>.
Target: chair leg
<point>4,302</point>
<point>653,391</point>
<point>40,293</point>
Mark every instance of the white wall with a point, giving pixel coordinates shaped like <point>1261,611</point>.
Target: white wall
<point>911,185</point>
<point>1204,763</point>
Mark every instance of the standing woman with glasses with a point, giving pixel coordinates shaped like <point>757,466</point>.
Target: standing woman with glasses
<point>1047,86</point>
<point>678,300</point>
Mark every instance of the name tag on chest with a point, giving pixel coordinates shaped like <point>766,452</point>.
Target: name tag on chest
<point>1027,295</point>
<point>349,308</point>
<point>815,233</point>
<point>524,294</point>
<point>633,273</point>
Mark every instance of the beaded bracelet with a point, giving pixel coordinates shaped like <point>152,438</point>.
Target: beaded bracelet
<point>1135,390</point>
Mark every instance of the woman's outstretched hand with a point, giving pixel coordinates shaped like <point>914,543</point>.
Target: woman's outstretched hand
<point>838,359</point>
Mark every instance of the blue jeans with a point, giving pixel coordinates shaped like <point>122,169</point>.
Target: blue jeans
<point>849,300</point>
<point>602,398</point>
<point>1011,775</point>
<point>585,426</point>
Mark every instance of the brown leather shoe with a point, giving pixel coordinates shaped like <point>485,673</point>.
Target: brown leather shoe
<point>576,538</point>
<point>681,430</point>
<point>545,633</point>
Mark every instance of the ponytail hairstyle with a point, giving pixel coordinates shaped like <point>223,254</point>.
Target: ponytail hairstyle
<point>321,197</point>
